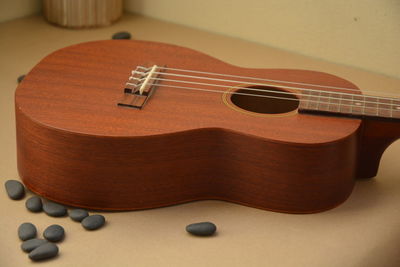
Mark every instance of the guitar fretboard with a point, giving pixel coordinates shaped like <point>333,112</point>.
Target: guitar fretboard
<point>352,105</point>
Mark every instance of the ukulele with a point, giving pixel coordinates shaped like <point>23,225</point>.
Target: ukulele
<point>126,125</point>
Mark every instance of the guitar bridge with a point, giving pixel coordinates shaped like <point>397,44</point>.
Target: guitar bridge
<point>140,86</point>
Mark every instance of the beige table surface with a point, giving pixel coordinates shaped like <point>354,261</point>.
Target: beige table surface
<point>364,231</point>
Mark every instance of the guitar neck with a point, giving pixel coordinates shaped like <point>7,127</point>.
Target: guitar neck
<point>349,105</point>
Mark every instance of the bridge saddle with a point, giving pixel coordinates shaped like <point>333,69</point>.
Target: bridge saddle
<point>140,86</point>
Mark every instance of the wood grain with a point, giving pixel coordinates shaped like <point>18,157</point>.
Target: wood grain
<point>75,146</point>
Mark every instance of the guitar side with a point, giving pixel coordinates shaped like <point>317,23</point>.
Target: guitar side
<point>147,172</point>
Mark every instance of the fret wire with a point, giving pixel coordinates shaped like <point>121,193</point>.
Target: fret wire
<point>340,102</point>
<point>363,108</point>
<point>303,100</point>
<point>352,103</point>
<point>329,101</point>
<point>308,102</point>
<point>391,108</point>
<point>397,108</point>
<point>383,108</point>
<point>319,99</point>
<point>377,109</point>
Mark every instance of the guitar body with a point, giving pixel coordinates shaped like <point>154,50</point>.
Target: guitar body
<point>78,147</point>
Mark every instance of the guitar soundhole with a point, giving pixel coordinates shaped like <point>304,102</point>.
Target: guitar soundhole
<point>265,100</point>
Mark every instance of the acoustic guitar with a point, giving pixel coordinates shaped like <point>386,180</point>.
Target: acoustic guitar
<point>125,125</point>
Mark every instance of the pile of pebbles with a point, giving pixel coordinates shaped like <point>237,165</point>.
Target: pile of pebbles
<point>41,249</point>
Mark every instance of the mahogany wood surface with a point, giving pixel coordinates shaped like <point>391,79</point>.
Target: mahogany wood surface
<point>375,136</point>
<point>76,146</point>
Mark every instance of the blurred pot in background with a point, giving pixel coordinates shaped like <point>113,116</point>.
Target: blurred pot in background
<point>82,13</point>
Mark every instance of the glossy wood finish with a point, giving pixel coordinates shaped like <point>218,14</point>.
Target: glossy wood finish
<point>76,146</point>
<point>374,137</point>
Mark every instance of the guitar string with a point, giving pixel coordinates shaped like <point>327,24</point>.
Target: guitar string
<point>262,79</point>
<point>264,84</point>
<point>236,93</point>
<point>282,92</point>
<point>247,77</point>
<point>288,93</point>
<point>297,88</point>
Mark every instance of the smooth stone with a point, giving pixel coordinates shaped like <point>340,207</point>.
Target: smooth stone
<point>78,214</point>
<point>31,244</point>
<point>15,189</point>
<point>93,222</point>
<point>54,209</point>
<point>45,251</point>
<point>54,233</point>
<point>34,204</point>
<point>201,228</point>
<point>26,231</point>
<point>20,78</point>
<point>121,35</point>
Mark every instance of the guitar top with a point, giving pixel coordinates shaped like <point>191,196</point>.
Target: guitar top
<point>77,89</point>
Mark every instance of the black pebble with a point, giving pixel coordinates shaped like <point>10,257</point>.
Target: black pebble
<point>78,214</point>
<point>54,233</point>
<point>45,251</point>
<point>54,209</point>
<point>93,222</point>
<point>20,78</point>
<point>15,189</point>
<point>26,231</point>
<point>201,229</point>
<point>31,244</point>
<point>34,204</point>
<point>121,35</point>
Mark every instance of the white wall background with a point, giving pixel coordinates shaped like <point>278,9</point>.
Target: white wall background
<point>12,9</point>
<point>359,33</point>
